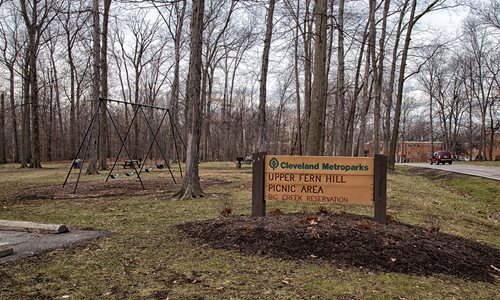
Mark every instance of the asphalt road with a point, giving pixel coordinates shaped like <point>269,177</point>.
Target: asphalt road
<point>475,170</point>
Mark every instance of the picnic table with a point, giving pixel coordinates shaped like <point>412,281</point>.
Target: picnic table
<point>131,163</point>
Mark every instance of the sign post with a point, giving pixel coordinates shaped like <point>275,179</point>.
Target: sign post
<point>380,188</point>
<point>343,180</point>
<point>258,201</point>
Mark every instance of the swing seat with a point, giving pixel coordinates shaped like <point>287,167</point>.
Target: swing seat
<point>114,176</point>
<point>148,170</point>
<point>160,166</point>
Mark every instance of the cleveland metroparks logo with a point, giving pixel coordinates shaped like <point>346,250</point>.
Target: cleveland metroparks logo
<point>274,163</point>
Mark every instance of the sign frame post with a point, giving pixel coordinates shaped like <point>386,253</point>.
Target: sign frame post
<point>380,188</point>
<point>258,201</point>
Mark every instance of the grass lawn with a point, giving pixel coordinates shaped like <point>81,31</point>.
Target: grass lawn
<point>494,163</point>
<point>146,257</point>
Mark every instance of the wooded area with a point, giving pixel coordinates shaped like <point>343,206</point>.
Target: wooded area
<point>289,77</point>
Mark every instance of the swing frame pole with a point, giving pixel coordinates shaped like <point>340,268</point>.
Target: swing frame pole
<point>156,141</point>
<point>123,146</point>
<point>172,125</point>
<point>85,144</point>
<point>89,128</point>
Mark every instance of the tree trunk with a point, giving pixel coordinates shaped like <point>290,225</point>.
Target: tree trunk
<point>26,119</point>
<point>392,76</point>
<point>56,101</point>
<point>297,84</point>
<point>36,161</point>
<point>3,158</point>
<point>92,166</point>
<point>13,115</point>
<point>191,187</point>
<point>316,120</point>
<point>308,61</point>
<point>175,82</point>
<point>380,79</point>
<point>376,86</point>
<point>366,106</point>
<point>103,118</point>
<point>399,97</point>
<point>72,105</point>
<point>342,136</point>
<point>357,90</point>
<point>33,31</point>
<point>50,126</point>
<point>262,134</point>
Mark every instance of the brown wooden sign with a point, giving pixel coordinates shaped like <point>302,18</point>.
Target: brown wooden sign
<point>343,180</point>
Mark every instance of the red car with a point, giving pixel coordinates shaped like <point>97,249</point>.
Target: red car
<point>441,157</point>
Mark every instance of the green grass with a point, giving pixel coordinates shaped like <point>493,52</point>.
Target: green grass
<point>480,163</point>
<point>147,258</point>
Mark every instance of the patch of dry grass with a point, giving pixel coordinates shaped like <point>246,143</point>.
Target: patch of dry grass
<point>147,258</point>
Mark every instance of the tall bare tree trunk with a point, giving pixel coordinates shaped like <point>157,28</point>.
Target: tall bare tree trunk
<point>33,27</point>
<point>262,136</point>
<point>377,87</point>
<point>191,187</point>
<point>366,91</point>
<point>392,77</point>
<point>13,115</point>
<point>175,83</point>
<point>317,118</point>
<point>26,117</point>
<point>96,60</point>
<point>342,136</point>
<point>3,158</point>
<point>103,118</point>
<point>58,134</point>
<point>308,61</point>
<point>358,86</point>
<point>401,80</point>
<point>380,73</point>
<point>72,105</point>
<point>297,84</point>
<point>36,161</point>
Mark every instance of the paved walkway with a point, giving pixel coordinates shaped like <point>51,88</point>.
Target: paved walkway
<point>29,244</point>
<point>475,170</point>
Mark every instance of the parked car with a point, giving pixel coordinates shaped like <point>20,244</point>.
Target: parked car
<point>441,157</point>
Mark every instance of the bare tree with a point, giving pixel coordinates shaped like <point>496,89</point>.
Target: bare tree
<point>483,70</point>
<point>175,24</point>
<point>487,11</point>
<point>55,134</point>
<point>3,157</point>
<point>216,49</point>
<point>262,138</point>
<point>376,83</point>
<point>341,86</point>
<point>73,21</point>
<point>413,19</point>
<point>11,48</point>
<point>37,17</point>
<point>389,93</point>
<point>317,117</point>
<point>379,81</point>
<point>103,117</point>
<point>96,71</point>
<point>191,187</point>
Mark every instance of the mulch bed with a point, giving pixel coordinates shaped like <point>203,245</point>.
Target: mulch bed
<point>352,241</point>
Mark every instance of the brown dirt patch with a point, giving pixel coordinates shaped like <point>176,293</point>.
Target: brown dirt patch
<point>112,188</point>
<point>350,240</point>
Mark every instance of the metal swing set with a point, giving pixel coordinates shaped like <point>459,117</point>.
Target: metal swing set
<point>137,167</point>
